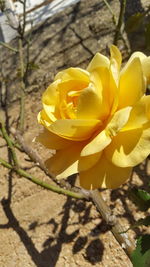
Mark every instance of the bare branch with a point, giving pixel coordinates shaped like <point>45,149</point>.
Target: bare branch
<point>22,88</point>
<point>9,144</point>
<point>120,21</point>
<point>37,181</point>
<point>123,238</point>
<point>8,47</point>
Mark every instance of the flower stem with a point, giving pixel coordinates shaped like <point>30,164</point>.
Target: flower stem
<point>10,144</point>
<point>112,13</point>
<point>117,230</point>
<point>22,85</point>
<point>120,21</point>
<point>37,181</point>
<point>18,146</point>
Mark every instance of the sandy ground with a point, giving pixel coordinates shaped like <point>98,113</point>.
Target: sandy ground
<point>38,227</point>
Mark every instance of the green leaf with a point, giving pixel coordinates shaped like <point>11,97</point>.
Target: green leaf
<point>141,255</point>
<point>147,35</point>
<point>141,198</point>
<point>134,22</point>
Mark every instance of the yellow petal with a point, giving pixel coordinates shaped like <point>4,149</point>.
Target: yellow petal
<point>100,81</point>
<point>44,119</point>
<point>57,99</point>
<point>65,161</point>
<point>50,96</point>
<point>136,54</point>
<point>69,92</point>
<point>52,141</point>
<point>117,121</point>
<point>98,61</point>
<point>89,103</point>
<point>145,61</point>
<point>50,100</point>
<point>115,62</point>
<point>97,144</point>
<point>103,139</point>
<point>52,112</point>
<point>72,85</point>
<point>114,69</point>
<point>139,115</point>
<point>105,75</point>
<point>146,68</point>
<point>132,84</point>
<point>73,74</point>
<point>104,175</point>
<point>77,130</point>
<point>88,162</point>
<point>129,148</point>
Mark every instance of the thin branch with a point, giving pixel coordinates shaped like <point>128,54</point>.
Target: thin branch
<point>27,61</point>
<point>123,238</point>
<point>3,88</point>
<point>24,20</point>
<point>120,21</point>
<point>111,11</point>
<point>37,181</point>
<point>114,19</point>
<point>8,47</point>
<point>21,1</point>
<point>13,142</point>
<point>33,155</point>
<point>9,143</point>
<point>22,85</point>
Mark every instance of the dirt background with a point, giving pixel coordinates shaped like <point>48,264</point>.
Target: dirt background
<point>38,227</point>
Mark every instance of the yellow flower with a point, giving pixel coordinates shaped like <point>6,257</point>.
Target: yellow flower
<point>98,120</point>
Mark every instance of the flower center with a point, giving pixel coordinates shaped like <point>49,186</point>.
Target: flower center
<point>69,99</point>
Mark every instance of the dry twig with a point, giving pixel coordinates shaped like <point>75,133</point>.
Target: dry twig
<point>43,184</point>
<point>117,230</point>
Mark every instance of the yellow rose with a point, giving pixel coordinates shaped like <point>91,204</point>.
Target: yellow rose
<point>98,120</point>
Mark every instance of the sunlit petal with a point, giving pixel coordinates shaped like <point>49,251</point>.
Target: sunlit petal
<point>146,68</point>
<point>98,61</point>
<point>88,162</point>
<point>129,148</point>
<point>65,161</point>
<point>76,74</point>
<point>75,129</point>
<point>132,84</point>
<point>115,62</point>
<point>104,175</point>
<point>44,119</point>
<point>50,96</point>
<point>52,141</point>
<point>114,74</point>
<point>139,115</point>
<point>90,103</point>
<point>97,144</point>
<point>145,61</point>
<point>117,121</point>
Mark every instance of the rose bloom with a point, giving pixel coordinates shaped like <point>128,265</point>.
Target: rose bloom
<point>98,120</point>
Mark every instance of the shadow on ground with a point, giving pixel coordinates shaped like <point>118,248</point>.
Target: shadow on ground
<point>53,245</point>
